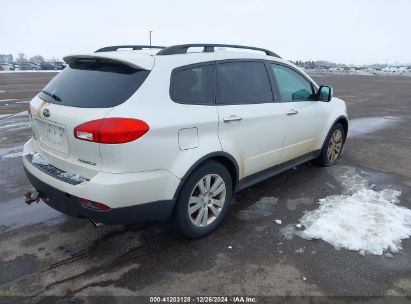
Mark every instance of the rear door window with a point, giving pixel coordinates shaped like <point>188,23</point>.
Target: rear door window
<point>193,85</point>
<point>243,83</point>
<point>94,83</point>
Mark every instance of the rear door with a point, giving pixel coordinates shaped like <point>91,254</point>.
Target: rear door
<point>304,115</point>
<point>251,124</point>
<point>87,90</point>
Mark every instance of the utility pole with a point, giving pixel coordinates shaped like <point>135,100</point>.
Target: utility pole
<point>150,37</point>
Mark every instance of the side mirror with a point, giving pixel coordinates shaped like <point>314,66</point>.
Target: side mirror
<point>325,93</point>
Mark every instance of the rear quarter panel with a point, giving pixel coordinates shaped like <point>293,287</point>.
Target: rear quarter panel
<point>159,148</point>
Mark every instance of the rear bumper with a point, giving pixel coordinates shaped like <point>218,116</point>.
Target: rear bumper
<point>70,205</point>
<point>116,190</point>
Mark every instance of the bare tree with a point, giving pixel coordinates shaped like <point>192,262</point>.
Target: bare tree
<point>37,59</point>
<point>21,58</point>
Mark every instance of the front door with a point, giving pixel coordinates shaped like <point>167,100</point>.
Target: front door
<point>303,114</point>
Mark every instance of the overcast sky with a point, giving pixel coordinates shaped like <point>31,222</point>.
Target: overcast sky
<point>349,31</point>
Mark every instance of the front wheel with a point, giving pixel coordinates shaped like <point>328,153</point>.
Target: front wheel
<point>204,200</point>
<point>332,147</point>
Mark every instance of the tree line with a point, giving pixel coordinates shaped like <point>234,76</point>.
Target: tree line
<point>21,57</point>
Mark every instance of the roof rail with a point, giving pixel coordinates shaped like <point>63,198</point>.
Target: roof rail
<point>133,47</point>
<point>209,47</point>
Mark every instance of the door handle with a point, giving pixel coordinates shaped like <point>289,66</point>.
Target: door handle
<point>292,112</point>
<point>232,118</point>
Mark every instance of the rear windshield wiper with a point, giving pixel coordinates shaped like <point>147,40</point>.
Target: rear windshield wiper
<point>52,95</point>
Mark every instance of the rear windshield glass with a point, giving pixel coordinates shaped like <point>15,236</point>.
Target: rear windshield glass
<point>94,83</point>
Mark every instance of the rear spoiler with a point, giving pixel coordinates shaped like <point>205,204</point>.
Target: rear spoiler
<point>137,61</point>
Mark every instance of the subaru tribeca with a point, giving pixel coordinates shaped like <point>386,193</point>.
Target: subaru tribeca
<point>129,134</point>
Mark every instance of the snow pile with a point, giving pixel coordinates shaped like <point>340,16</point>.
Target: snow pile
<point>37,159</point>
<point>72,176</point>
<point>361,219</point>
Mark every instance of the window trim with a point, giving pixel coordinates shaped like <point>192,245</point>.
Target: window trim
<point>191,66</point>
<point>217,87</point>
<point>314,87</point>
<point>267,63</point>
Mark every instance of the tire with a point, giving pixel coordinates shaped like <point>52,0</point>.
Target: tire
<point>335,141</point>
<point>201,219</point>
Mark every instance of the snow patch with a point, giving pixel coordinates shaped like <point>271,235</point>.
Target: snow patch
<point>300,250</point>
<point>350,181</point>
<point>13,155</point>
<point>2,116</point>
<point>360,219</point>
<point>288,231</point>
<point>16,126</point>
<point>13,152</point>
<point>360,127</point>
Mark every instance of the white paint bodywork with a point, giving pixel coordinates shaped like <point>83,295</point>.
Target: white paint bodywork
<point>150,169</point>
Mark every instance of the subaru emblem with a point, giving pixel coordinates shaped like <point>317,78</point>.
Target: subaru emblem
<point>46,112</point>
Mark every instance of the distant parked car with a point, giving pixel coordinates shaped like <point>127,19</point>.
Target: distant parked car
<point>47,66</point>
<point>14,66</point>
<point>29,66</point>
<point>59,65</point>
<point>5,67</point>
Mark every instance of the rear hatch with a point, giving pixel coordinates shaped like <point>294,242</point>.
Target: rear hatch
<point>87,90</point>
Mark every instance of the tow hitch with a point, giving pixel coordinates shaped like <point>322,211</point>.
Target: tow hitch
<point>28,198</point>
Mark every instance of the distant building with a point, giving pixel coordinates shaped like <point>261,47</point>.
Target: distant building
<point>6,58</point>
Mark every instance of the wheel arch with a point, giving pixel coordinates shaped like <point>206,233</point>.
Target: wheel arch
<point>344,121</point>
<point>341,119</point>
<point>223,158</point>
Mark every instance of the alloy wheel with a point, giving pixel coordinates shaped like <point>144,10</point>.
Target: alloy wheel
<point>334,146</point>
<point>207,200</point>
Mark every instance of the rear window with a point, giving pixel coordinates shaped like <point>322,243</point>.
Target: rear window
<point>94,83</point>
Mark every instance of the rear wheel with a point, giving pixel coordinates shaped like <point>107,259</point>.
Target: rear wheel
<point>332,147</point>
<point>204,200</point>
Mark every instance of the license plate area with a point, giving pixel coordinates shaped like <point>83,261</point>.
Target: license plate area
<point>52,136</point>
<point>55,135</point>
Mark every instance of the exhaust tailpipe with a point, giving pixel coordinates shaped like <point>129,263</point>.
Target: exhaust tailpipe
<point>96,225</point>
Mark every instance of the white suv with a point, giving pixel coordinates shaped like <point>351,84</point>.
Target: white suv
<point>122,136</point>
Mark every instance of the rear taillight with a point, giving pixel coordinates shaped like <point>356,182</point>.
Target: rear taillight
<point>111,130</point>
<point>93,205</point>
